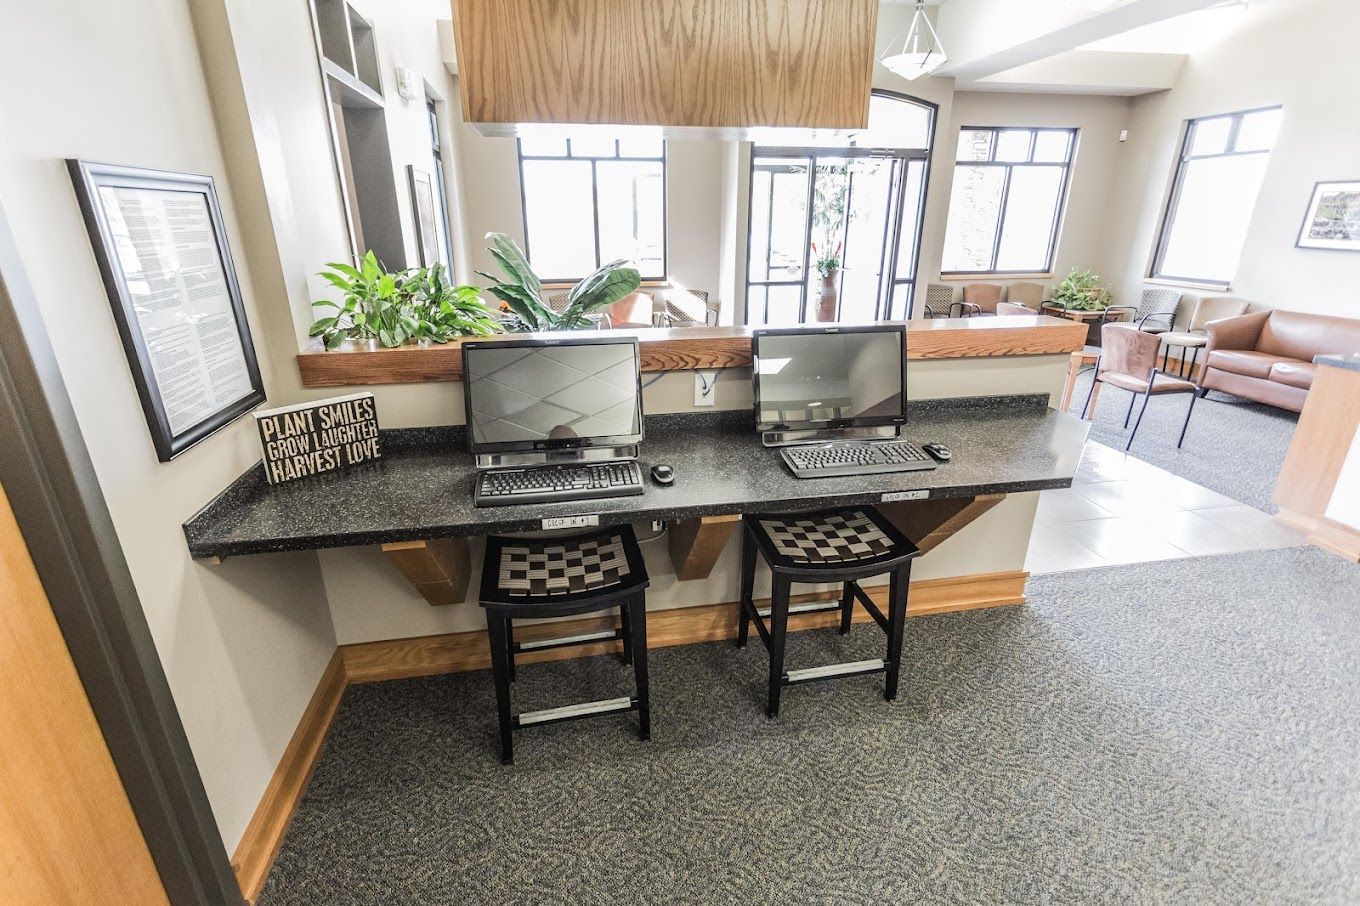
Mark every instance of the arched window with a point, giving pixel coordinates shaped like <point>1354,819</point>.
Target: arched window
<point>838,214</point>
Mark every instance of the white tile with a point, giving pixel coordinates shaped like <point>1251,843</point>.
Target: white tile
<point>1126,498</point>
<point>1065,505</point>
<point>1052,549</point>
<point>1123,539</point>
<point>1262,528</point>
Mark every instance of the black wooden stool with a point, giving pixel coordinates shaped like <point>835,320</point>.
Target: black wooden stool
<point>842,545</point>
<point>558,577</point>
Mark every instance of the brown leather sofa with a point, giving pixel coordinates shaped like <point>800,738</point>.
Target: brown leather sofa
<point>1267,356</point>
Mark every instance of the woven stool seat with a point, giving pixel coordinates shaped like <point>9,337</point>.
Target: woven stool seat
<point>835,537</point>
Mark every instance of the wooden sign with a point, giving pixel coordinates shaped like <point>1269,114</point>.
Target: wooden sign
<point>312,438</point>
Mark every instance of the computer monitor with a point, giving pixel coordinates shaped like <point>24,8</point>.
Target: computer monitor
<point>822,380</point>
<point>552,395</point>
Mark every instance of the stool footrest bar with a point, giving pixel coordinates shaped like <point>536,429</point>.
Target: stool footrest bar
<point>574,712</point>
<point>809,607</point>
<point>584,638</point>
<point>830,671</point>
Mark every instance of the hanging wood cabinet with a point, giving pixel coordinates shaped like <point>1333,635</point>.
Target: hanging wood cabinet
<point>718,64</point>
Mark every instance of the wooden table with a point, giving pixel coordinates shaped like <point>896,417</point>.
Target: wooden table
<point>1078,360</point>
<point>1083,316</point>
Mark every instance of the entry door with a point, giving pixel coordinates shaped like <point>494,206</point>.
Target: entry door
<point>68,832</point>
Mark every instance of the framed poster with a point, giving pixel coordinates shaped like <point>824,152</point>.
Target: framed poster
<point>1333,218</point>
<point>422,204</point>
<point>162,251</point>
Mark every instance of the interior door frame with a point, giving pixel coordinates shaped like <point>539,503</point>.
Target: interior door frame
<point>50,480</point>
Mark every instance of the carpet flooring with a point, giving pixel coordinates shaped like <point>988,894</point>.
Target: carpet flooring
<point>1177,732</point>
<point>1233,446</point>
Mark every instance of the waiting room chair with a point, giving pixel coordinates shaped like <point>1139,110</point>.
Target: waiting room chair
<point>940,300</point>
<point>1156,311</point>
<point>1014,308</point>
<point>1028,294</point>
<point>981,299</point>
<point>1196,334</point>
<point>1128,360</point>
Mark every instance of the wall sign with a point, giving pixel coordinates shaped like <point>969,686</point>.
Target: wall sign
<point>1333,218</point>
<point>162,251</point>
<point>311,438</point>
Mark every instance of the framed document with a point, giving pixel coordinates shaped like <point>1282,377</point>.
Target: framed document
<point>1333,218</point>
<point>422,203</point>
<point>162,251</point>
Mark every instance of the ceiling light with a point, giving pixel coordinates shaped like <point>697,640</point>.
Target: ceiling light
<point>921,51</point>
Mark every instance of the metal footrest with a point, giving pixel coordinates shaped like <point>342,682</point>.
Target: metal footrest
<point>830,671</point>
<point>809,607</point>
<point>574,712</point>
<point>604,635</point>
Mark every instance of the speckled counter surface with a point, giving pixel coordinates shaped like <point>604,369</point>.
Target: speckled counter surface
<point>422,487</point>
<point>1349,362</point>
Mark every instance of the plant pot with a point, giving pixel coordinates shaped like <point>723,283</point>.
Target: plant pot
<point>827,297</point>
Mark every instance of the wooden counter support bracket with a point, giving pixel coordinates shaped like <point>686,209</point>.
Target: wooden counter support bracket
<point>438,569</point>
<point>696,544</point>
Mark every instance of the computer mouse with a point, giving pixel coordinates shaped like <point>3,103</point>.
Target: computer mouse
<point>663,474</point>
<point>939,451</point>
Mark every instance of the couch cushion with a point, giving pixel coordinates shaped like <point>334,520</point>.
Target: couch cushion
<point>1299,335</point>
<point>1245,361</point>
<point>1295,374</point>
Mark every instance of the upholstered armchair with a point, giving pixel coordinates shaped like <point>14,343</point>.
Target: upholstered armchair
<point>980,299</point>
<point>1128,360</point>
<point>1014,308</point>
<point>1028,294</point>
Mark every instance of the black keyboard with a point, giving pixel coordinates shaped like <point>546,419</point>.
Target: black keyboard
<point>549,484</point>
<point>855,458</point>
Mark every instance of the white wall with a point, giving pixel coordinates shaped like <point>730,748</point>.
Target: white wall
<point>1301,55</point>
<point>243,645</point>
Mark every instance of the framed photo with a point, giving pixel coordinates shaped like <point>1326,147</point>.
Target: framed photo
<point>162,251</point>
<point>1333,218</point>
<point>422,203</point>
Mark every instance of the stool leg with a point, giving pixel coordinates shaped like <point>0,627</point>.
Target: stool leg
<point>500,673</point>
<point>627,633</point>
<point>637,623</point>
<point>510,646</point>
<point>779,628</point>
<point>897,621</point>
<point>748,584</point>
<point>847,608</point>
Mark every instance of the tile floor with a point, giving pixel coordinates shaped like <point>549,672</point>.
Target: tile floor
<point>1123,510</point>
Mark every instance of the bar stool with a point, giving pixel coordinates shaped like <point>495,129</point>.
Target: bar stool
<point>557,577</point>
<point>841,545</point>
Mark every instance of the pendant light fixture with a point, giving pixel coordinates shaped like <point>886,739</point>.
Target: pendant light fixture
<point>921,51</point>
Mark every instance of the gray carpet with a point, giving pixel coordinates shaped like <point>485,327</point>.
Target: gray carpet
<point>1233,446</point>
<point>1177,732</point>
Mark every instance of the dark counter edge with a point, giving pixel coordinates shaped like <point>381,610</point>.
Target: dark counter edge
<point>397,440</point>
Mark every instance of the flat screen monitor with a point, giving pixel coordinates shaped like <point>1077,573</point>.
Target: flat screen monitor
<point>830,377</point>
<point>557,394</point>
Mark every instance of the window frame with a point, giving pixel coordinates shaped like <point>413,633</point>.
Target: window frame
<point>595,202</point>
<point>891,251</point>
<point>436,151</point>
<point>1059,211</point>
<point>1172,204</point>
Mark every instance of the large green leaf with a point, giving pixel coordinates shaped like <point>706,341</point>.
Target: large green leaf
<point>606,291</point>
<point>507,253</point>
<point>592,280</point>
<point>513,297</point>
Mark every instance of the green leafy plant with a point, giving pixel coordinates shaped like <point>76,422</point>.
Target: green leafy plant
<point>522,292</point>
<point>395,307</point>
<point>443,311</point>
<point>826,261</point>
<point>1084,291</point>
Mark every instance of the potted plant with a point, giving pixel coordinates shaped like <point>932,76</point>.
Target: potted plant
<point>1083,291</point>
<point>828,264</point>
<point>521,292</point>
<point>388,309</point>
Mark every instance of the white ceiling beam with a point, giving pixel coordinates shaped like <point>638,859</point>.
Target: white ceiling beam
<point>986,37</point>
<point>1091,72</point>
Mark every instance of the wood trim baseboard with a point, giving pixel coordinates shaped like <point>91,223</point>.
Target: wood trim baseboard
<point>460,651</point>
<point>689,348</point>
<point>264,834</point>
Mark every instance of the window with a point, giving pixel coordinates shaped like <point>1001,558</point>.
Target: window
<point>441,198</point>
<point>861,201</point>
<point>1218,176</point>
<point>593,196</point>
<point>1007,200</point>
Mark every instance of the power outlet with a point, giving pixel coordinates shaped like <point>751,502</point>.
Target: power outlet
<point>704,392</point>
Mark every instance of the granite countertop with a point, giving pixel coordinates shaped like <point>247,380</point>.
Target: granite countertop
<point>1350,362</point>
<point>422,487</point>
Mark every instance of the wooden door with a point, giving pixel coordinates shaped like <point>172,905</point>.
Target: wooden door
<point>69,833</point>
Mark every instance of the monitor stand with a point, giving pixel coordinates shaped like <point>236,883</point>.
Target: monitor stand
<point>556,457</point>
<point>828,435</point>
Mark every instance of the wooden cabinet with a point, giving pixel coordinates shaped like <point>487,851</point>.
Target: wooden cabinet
<point>722,64</point>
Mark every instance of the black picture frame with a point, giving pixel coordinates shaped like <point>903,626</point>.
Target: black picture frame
<point>89,178</point>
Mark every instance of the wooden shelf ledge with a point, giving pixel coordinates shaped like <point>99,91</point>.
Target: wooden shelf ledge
<point>691,348</point>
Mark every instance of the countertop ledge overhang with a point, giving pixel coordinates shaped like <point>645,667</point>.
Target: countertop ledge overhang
<point>422,488</point>
<point>690,348</point>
